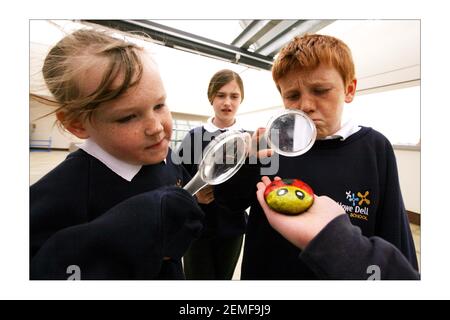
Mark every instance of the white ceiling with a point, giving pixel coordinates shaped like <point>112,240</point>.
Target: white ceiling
<point>386,52</point>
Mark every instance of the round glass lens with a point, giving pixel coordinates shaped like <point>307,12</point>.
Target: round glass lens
<point>291,133</point>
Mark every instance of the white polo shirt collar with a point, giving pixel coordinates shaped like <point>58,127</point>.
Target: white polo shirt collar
<point>125,170</point>
<point>211,127</point>
<point>344,132</point>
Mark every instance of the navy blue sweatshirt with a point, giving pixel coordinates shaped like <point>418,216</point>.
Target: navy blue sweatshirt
<point>360,173</point>
<point>220,221</point>
<point>353,256</point>
<point>83,214</point>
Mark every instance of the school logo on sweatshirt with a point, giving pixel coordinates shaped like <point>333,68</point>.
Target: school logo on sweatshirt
<point>357,205</point>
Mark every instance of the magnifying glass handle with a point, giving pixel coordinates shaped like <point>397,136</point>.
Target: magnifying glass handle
<point>195,185</point>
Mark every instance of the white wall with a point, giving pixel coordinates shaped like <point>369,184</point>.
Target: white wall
<point>385,52</point>
<point>258,119</point>
<point>408,162</point>
<point>46,127</point>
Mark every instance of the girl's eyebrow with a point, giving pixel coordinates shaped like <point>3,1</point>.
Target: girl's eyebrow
<point>117,112</point>
<point>223,92</point>
<point>123,109</point>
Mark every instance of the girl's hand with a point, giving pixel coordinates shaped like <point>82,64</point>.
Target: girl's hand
<point>206,195</point>
<point>300,229</point>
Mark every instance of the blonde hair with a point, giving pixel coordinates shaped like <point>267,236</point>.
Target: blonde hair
<point>307,52</point>
<point>66,62</point>
<point>221,78</point>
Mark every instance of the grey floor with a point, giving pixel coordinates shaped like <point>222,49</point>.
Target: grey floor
<point>42,162</point>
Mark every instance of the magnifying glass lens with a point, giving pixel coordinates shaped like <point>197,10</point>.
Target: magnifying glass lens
<point>291,133</point>
<point>225,156</point>
<point>222,158</point>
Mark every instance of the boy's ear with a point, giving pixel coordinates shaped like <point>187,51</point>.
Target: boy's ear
<point>350,91</point>
<point>76,127</point>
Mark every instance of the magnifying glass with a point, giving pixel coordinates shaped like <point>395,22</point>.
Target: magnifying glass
<point>222,158</point>
<point>290,133</point>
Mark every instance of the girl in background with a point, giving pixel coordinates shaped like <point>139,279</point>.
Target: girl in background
<point>215,254</point>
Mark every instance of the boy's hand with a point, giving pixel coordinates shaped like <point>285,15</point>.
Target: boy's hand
<point>300,229</point>
<point>205,195</point>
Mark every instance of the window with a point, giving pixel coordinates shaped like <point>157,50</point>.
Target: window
<point>180,129</point>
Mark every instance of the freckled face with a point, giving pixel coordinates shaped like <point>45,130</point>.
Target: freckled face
<point>137,126</point>
<point>320,93</point>
<point>226,102</point>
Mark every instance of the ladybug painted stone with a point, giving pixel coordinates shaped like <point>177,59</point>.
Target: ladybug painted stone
<point>289,196</point>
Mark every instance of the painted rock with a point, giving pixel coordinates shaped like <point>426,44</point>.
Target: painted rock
<point>289,196</point>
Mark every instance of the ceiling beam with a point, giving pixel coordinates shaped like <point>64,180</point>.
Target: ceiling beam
<point>279,28</point>
<point>253,32</point>
<point>182,40</point>
<point>300,27</point>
